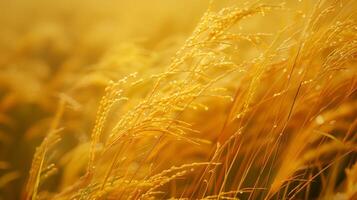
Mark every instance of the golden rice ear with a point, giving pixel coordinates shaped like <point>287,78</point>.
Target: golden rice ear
<point>40,169</point>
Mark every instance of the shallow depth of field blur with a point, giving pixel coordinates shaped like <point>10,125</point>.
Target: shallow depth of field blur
<point>178,99</point>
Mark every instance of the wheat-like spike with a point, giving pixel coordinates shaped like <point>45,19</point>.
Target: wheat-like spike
<point>38,164</point>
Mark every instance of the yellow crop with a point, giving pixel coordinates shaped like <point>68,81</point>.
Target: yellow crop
<point>178,99</point>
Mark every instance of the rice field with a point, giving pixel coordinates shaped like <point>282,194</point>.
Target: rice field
<point>178,99</point>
